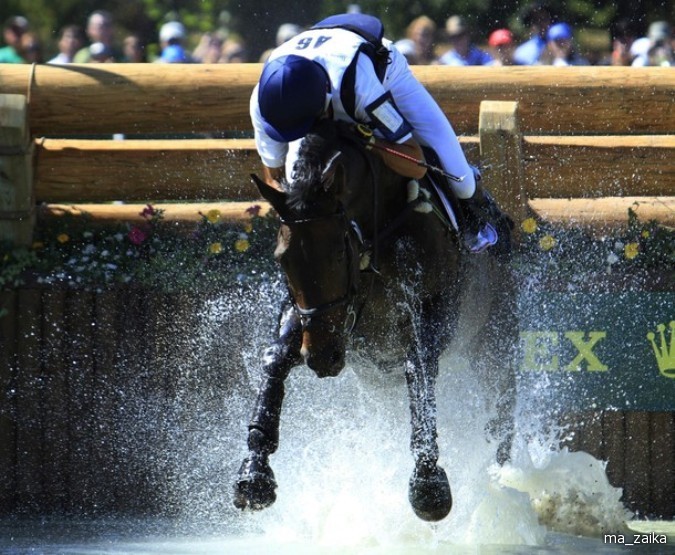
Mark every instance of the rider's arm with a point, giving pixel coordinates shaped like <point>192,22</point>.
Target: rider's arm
<point>375,105</point>
<point>273,176</point>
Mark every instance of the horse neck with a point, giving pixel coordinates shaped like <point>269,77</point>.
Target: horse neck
<point>375,194</point>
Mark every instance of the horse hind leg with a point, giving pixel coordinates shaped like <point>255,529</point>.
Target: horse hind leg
<point>255,486</point>
<point>429,490</point>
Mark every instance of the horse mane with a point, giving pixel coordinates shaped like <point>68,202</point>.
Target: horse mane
<point>315,150</point>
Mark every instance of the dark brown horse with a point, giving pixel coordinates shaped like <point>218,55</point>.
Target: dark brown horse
<point>370,268</point>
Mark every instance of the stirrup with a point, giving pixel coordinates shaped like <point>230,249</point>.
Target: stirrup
<point>485,237</point>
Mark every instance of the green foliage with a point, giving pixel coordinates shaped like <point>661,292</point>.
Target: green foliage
<point>73,251</point>
<point>572,254</point>
<point>14,262</point>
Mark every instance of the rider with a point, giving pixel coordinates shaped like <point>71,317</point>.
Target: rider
<point>343,68</point>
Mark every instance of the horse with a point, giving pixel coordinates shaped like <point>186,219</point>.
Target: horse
<point>356,240</point>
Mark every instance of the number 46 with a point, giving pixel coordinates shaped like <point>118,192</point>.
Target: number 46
<point>314,42</point>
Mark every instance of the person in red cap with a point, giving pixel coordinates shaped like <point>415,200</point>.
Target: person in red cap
<point>502,46</point>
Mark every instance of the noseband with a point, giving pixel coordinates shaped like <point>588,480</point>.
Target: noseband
<point>347,298</point>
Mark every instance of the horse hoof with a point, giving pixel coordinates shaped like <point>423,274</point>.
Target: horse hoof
<point>429,493</point>
<point>255,486</point>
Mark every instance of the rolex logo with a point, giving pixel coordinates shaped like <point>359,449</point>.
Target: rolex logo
<point>664,352</point>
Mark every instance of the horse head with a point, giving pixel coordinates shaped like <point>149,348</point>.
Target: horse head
<point>318,250</point>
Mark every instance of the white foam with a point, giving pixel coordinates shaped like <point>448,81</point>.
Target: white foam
<point>343,466</point>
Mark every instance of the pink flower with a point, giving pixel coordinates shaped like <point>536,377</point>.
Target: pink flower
<point>136,235</point>
<point>253,210</point>
<point>148,212</point>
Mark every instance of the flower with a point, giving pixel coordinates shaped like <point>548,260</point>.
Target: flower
<point>631,250</point>
<point>136,235</point>
<point>213,216</point>
<point>62,238</point>
<point>612,258</point>
<point>241,245</point>
<point>547,242</point>
<point>253,210</point>
<point>529,225</point>
<point>248,227</point>
<point>645,234</point>
<point>148,212</point>
<point>216,248</point>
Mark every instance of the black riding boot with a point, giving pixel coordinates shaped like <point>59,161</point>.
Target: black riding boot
<point>478,213</point>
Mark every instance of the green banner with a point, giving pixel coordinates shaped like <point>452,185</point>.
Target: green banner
<point>598,351</point>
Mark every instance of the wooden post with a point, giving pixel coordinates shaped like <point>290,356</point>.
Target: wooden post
<point>17,214</point>
<point>501,155</point>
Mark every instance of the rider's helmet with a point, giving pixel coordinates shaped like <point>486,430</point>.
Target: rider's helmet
<point>291,96</point>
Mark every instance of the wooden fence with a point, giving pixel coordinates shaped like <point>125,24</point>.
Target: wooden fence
<point>563,141</point>
<point>578,145</point>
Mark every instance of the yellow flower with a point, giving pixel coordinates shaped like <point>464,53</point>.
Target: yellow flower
<point>213,216</point>
<point>241,245</point>
<point>529,225</point>
<point>547,242</point>
<point>37,245</point>
<point>645,234</point>
<point>248,227</point>
<point>631,250</point>
<point>216,248</point>
<point>62,238</point>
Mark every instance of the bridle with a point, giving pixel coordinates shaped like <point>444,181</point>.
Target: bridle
<point>347,297</point>
<point>352,236</point>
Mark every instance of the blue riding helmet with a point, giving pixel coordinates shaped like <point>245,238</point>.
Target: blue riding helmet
<point>291,95</point>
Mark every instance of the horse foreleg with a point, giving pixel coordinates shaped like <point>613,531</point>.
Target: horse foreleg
<point>255,486</point>
<point>429,490</point>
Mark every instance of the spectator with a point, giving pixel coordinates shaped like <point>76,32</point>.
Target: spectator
<point>133,50</point>
<point>623,33</point>
<point>407,48</point>
<point>210,48</point>
<point>100,29</point>
<point>462,51</point>
<point>171,37</point>
<point>538,18</point>
<point>99,53</point>
<point>422,32</point>
<point>31,48</point>
<point>12,32</point>
<point>656,48</point>
<point>561,50</point>
<point>285,32</point>
<point>234,51</point>
<point>71,39</point>
<point>503,46</point>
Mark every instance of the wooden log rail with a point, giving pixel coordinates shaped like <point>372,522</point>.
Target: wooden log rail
<point>579,134</point>
<point>145,98</point>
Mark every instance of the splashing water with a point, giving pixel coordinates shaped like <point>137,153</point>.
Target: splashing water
<point>344,462</point>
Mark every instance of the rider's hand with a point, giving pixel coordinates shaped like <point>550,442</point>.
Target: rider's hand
<point>366,135</point>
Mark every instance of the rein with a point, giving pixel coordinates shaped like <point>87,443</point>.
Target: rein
<point>351,227</point>
<point>348,297</point>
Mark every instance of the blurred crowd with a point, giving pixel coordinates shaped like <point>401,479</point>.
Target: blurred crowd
<point>549,41</point>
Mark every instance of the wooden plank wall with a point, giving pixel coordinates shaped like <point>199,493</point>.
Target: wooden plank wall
<point>72,372</point>
<point>68,370</point>
<point>639,448</point>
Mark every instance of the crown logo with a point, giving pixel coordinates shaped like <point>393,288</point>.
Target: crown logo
<point>665,353</point>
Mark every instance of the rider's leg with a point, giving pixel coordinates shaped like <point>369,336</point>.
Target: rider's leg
<point>432,129</point>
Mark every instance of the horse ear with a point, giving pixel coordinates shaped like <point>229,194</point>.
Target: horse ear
<point>328,174</point>
<point>274,196</point>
